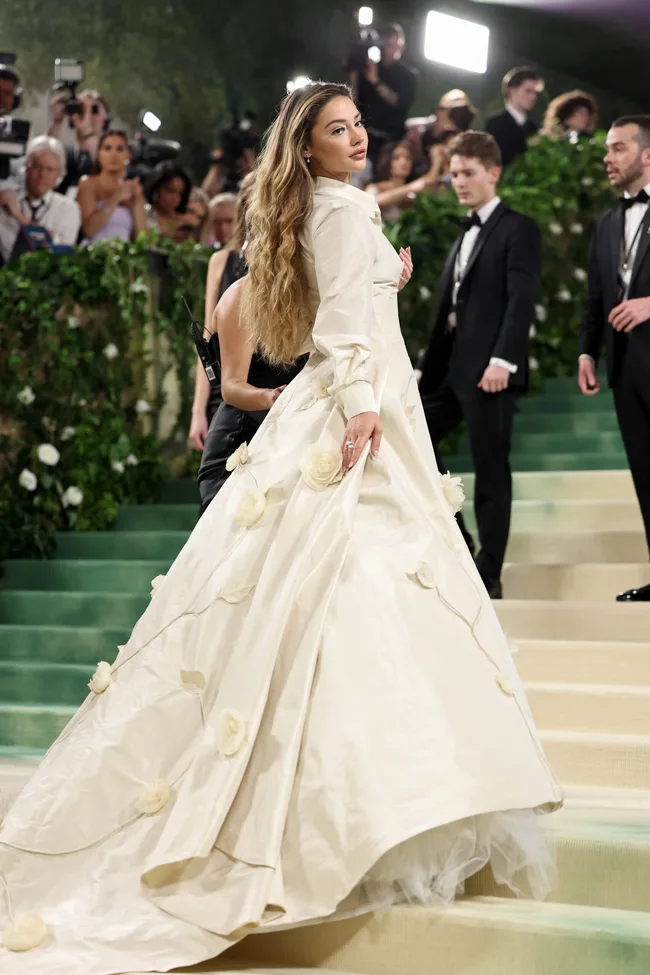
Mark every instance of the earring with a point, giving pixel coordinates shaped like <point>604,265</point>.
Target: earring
<point>307,159</point>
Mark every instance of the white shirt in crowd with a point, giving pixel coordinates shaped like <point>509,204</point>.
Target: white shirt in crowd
<point>520,117</point>
<point>59,215</point>
<point>467,246</point>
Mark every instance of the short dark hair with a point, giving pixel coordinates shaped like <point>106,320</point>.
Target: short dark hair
<point>385,161</point>
<point>516,77</point>
<point>643,122</point>
<point>393,30</point>
<point>476,145</point>
<point>163,173</point>
<point>8,74</point>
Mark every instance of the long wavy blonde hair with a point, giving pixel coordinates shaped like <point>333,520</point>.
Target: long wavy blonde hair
<point>274,299</point>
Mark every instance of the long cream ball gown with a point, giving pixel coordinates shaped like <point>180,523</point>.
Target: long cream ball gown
<point>318,713</point>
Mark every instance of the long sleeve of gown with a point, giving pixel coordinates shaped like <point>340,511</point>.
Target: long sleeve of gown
<point>344,253</point>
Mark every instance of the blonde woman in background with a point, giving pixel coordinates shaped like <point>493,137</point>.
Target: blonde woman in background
<point>221,220</point>
<point>571,115</point>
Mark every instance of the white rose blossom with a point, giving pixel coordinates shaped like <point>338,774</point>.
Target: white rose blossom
<point>111,351</point>
<point>48,454</point>
<point>587,181</point>
<point>533,363</point>
<point>321,464</point>
<point>231,732</point>
<point>72,497</point>
<point>102,678</point>
<point>27,479</point>
<point>140,287</point>
<point>453,491</point>
<point>532,332</point>
<point>563,295</point>
<point>238,457</point>
<point>156,584</point>
<point>132,460</point>
<point>580,274</point>
<point>118,466</point>
<point>425,294</point>
<point>26,932</point>
<point>142,406</point>
<point>555,228</point>
<point>73,321</point>
<point>68,433</point>
<point>154,797</point>
<point>541,313</point>
<point>26,396</point>
<point>577,229</point>
<point>250,507</point>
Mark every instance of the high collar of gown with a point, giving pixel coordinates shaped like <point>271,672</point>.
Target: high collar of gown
<point>334,187</point>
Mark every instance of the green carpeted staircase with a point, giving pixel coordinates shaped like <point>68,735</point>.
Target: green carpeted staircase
<point>585,661</point>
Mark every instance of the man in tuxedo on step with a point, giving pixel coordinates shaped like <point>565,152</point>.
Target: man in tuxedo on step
<point>513,128</point>
<point>617,313</point>
<point>477,359</point>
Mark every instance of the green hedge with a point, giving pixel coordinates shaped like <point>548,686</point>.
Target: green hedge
<point>94,347</point>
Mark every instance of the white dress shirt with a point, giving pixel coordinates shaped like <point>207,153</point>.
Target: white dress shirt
<point>59,215</point>
<point>520,117</point>
<point>464,254</point>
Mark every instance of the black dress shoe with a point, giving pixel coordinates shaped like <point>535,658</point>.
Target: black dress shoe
<point>494,588</point>
<point>641,595</point>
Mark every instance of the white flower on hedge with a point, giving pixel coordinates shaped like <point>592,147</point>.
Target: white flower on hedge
<point>68,433</point>
<point>118,466</point>
<point>27,479</point>
<point>156,584</point>
<point>231,732</point>
<point>132,460</point>
<point>425,294</point>
<point>26,932</point>
<point>142,406</point>
<point>102,678</point>
<point>532,332</point>
<point>555,228</point>
<point>238,457</point>
<point>322,464</point>
<point>154,797</point>
<point>111,351</point>
<point>453,491</point>
<point>577,229</point>
<point>563,295</point>
<point>73,321</point>
<point>26,396</point>
<point>140,287</point>
<point>587,181</point>
<point>250,507</point>
<point>533,363</point>
<point>48,454</point>
<point>580,274</point>
<point>72,497</point>
<point>48,424</point>
<point>541,313</point>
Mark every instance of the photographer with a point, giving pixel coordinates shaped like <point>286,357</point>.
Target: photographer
<point>385,92</point>
<point>10,95</point>
<point>89,122</point>
<point>455,113</point>
<point>37,203</point>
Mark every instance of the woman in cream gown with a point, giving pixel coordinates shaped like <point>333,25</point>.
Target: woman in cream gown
<point>318,714</point>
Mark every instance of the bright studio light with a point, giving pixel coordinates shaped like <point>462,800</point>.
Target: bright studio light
<point>365,16</point>
<point>460,43</point>
<point>374,53</point>
<point>299,82</point>
<point>152,121</point>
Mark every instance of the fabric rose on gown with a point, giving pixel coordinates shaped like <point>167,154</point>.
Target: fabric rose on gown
<point>102,678</point>
<point>322,465</point>
<point>231,732</point>
<point>238,457</point>
<point>250,508</point>
<point>154,797</point>
<point>454,492</point>
<point>27,931</point>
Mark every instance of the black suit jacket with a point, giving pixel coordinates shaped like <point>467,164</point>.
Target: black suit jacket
<point>495,307</point>
<point>510,136</point>
<point>604,262</point>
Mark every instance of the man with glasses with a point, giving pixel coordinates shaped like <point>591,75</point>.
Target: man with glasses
<point>36,203</point>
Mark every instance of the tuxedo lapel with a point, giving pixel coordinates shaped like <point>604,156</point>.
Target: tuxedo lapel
<point>447,276</point>
<point>485,232</point>
<point>642,249</point>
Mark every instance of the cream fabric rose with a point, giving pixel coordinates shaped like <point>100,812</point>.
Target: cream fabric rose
<point>423,573</point>
<point>26,396</point>
<point>250,508</point>
<point>27,931</point>
<point>505,684</point>
<point>156,584</point>
<point>102,678</point>
<point>238,457</point>
<point>28,480</point>
<point>231,732</point>
<point>72,497</point>
<point>321,464</point>
<point>48,454</point>
<point>454,492</point>
<point>235,590</point>
<point>154,797</point>
<point>193,680</point>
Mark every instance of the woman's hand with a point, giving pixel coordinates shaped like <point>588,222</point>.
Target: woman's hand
<point>360,429</point>
<point>272,394</point>
<point>407,270</point>
<point>198,429</point>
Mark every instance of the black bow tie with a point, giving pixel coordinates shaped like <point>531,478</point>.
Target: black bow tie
<point>629,201</point>
<point>472,221</point>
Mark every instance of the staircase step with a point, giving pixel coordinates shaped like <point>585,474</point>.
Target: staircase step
<point>571,661</point>
<point>94,575</point>
<point>567,403</point>
<point>150,546</point>
<point>570,516</point>
<point>538,444</point>
<point>61,644</point>
<point>180,490</point>
<point>71,608</point>
<point>590,582</point>
<point>157,517</point>
<point>607,708</point>
<point>581,423</point>
<point>477,936</point>
<point>566,485</point>
<point>32,726</point>
<point>551,547</point>
<point>611,461</point>
<point>36,682</point>
<point>607,761</point>
<point>544,619</point>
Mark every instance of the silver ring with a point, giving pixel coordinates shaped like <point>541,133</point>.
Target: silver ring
<point>350,444</point>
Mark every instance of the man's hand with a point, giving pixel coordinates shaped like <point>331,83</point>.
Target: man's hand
<point>9,203</point>
<point>57,109</point>
<point>372,72</point>
<point>587,380</point>
<point>629,314</point>
<point>494,380</point>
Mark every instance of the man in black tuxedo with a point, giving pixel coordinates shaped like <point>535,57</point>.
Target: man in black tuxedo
<point>477,358</point>
<point>618,306</point>
<point>513,128</point>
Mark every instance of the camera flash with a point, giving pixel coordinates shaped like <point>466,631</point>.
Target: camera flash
<point>374,53</point>
<point>152,121</point>
<point>457,42</point>
<point>299,82</point>
<point>365,16</point>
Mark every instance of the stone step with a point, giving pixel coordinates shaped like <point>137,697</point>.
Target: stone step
<point>566,485</point>
<point>577,547</point>
<point>32,726</point>
<point>180,490</point>
<point>35,682</point>
<point>71,608</point>
<point>61,644</point>
<point>156,546</point>
<point>570,516</point>
<point>79,575</point>
<point>544,619</point>
<point>606,761</point>
<point>567,403</point>
<point>573,661</point>
<point>477,936</point>
<point>607,708</point>
<point>584,423</point>
<point>522,461</point>
<point>591,582</point>
<point>157,517</point>
<point>539,444</point>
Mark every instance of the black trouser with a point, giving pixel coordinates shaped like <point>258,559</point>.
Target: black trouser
<point>632,402</point>
<point>489,419</point>
<point>229,428</point>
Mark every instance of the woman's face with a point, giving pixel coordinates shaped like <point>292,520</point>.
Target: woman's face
<point>223,223</point>
<point>581,120</point>
<point>170,195</point>
<point>401,163</point>
<point>114,156</point>
<point>197,211</point>
<point>339,141</point>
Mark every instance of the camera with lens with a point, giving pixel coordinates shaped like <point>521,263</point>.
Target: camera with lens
<point>14,133</point>
<point>148,152</point>
<point>68,75</point>
<point>236,140</point>
<point>364,44</point>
